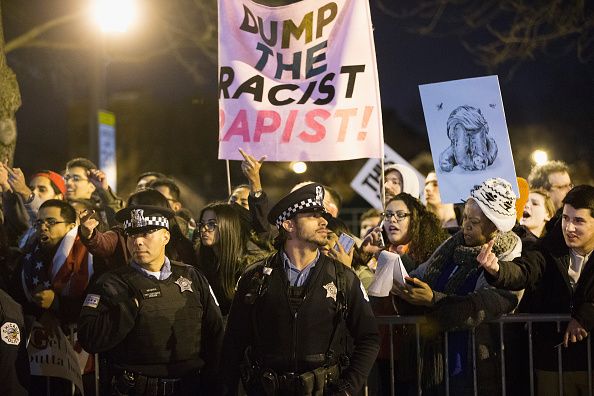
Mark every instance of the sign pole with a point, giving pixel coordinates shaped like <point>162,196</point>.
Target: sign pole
<point>228,177</point>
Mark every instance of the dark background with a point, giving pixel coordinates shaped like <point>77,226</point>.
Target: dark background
<point>167,116</point>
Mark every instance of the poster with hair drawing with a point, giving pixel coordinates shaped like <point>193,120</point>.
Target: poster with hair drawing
<point>468,135</point>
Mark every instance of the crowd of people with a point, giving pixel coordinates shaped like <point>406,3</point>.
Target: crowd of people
<point>248,297</point>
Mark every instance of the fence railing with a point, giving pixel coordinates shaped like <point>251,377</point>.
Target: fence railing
<point>528,319</point>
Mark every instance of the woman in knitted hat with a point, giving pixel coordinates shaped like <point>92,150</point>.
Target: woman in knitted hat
<point>451,289</point>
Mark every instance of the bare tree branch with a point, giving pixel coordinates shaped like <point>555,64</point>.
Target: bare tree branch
<point>518,30</point>
<point>24,39</point>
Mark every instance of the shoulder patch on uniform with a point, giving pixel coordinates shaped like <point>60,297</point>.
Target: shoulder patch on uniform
<point>364,292</point>
<point>92,300</point>
<point>10,333</point>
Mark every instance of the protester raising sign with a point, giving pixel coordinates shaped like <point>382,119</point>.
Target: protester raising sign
<point>468,135</point>
<point>298,82</point>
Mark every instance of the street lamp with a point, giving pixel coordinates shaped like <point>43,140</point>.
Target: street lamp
<point>299,167</point>
<point>114,16</point>
<point>540,157</point>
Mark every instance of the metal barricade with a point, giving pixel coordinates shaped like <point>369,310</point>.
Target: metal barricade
<point>527,319</point>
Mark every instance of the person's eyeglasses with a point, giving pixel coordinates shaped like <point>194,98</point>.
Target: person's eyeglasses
<point>209,226</point>
<point>50,222</point>
<point>74,178</point>
<point>400,215</point>
<point>562,187</point>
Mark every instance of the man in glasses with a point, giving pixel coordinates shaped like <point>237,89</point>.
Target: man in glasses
<point>156,320</point>
<point>85,181</point>
<point>52,275</point>
<point>554,178</point>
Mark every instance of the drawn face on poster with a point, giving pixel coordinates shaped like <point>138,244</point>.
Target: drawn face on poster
<point>468,135</point>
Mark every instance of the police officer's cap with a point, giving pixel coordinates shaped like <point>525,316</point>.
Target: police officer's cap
<point>309,198</point>
<point>142,218</point>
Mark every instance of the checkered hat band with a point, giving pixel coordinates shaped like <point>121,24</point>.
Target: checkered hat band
<point>158,221</point>
<point>296,208</point>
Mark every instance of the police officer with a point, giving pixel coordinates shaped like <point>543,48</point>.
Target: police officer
<point>156,320</point>
<point>14,362</point>
<point>287,332</point>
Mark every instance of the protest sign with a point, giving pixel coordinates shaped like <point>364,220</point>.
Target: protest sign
<point>468,135</point>
<point>298,82</point>
<point>367,183</point>
<point>51,355</point>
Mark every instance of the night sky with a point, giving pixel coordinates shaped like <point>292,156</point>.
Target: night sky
<point>551,96</point>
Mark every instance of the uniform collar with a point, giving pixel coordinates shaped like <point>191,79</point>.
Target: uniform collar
<point>164,273</point>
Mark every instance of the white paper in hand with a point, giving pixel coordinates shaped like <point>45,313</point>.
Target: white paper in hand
<point>399,271</point>
<point>384,274</point>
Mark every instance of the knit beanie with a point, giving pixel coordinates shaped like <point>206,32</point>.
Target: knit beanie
<point>410,182</point>
<point>54,178</point>
<point>497,200</point>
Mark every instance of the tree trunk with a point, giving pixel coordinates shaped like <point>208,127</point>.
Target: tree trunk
<point>10,101</point>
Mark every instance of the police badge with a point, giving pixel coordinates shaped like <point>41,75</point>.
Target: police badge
<point>331,290</point>
<point>320,195</point>
<point>137,218</point>
<point>184,284</point>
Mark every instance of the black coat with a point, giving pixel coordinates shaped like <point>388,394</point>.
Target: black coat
<point>288,337</point>
<point>542,271</point>
<point>110,316</point>
<point>14,362</point>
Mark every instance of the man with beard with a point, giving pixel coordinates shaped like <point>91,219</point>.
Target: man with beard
<point>290,317</point>
<point>51,277</point>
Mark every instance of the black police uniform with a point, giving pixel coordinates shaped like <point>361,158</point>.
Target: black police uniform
<point>167,343</point>
<point>14,362</point>
<point>287,331</point>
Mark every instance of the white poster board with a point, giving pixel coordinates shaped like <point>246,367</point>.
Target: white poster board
<point>468,135</point>
<point>298,82</point>
<point>51,355</point>
<point>367,182</point>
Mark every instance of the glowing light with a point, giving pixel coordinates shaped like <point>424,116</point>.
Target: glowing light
<point>299,167</point>
<point>114,16</point>
<point>540,157</point>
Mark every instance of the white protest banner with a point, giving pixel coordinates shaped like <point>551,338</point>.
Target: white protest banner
<point>367,182</point>
<point>468,135</point>
<point>298,82</point>
<point>51,355</point>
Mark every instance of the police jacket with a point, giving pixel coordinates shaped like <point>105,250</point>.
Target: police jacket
<point>176,329</point>
<point>543,271</point>
<point>286,336</point>
<point>14,362</point>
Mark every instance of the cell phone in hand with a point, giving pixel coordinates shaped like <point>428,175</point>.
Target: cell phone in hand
<point>346,241</point>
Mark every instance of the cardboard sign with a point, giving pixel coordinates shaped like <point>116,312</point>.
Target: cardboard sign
<point>468,135</point>
<point>51,355</point>
<point>298,82</point>
<point>367,182</point>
